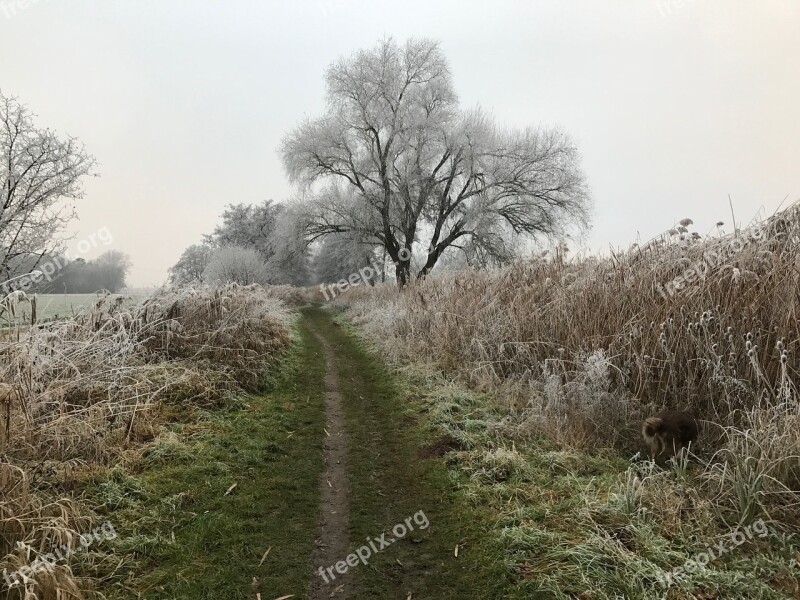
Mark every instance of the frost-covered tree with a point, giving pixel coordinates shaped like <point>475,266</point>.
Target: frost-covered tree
<point>40,173</point>
<point>191,265</point>
<point>248,226</point>
<point>234,264</point>
<point>273,230</point>
<point>395,160</point>
<point>289,261</point>
<point>340,256</point>
<point>111,269</point>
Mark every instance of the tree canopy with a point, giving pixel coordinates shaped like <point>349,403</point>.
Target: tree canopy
<point>191,265</point>
<point>271,230</point>
<point>40,173</point>
<point>80,276</point>
<point>395,160</point>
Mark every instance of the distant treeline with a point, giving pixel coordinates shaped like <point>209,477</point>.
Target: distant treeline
<point>59,275</point>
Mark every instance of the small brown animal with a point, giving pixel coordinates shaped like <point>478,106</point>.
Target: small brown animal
<point>668,432</point>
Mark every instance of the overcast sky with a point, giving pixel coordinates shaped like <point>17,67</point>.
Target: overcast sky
<point>674,104</point>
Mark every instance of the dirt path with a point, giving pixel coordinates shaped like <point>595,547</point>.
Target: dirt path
<point>387,485</point>
<point>331,543</point>
<point>326,465</point>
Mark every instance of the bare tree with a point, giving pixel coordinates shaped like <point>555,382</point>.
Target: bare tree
<point>248,226</point>
<point>38,172</point>
<point>395,160</point>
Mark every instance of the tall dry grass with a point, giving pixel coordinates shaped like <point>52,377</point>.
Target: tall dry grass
<point>583,349</point>
<point>87,392</point>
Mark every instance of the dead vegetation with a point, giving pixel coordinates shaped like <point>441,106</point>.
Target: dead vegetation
<point>86,393</point>
<point>584,349</point>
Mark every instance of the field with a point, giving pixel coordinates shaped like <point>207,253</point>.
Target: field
<point>61,306</point>
<point>58,306</point>
<point>501,304</point>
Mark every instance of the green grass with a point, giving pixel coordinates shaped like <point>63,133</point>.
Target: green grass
<point>391,481</point>
<point>184,538</point>
<point>572,524</point>
<point>564,524</point>
<point>58,306</point>
<point>530,521</point>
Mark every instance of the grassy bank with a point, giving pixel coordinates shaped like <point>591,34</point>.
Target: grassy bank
<point>568,523</point>
<point>186,532</point>
<point>573,524</point>
<point>579,352</point>
<point>102,395</point>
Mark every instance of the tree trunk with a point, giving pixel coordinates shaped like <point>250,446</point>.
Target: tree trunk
<point>403,273</point>
<point>433,258</point>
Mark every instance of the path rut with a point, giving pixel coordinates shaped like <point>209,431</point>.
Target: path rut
<point>332,540</point>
